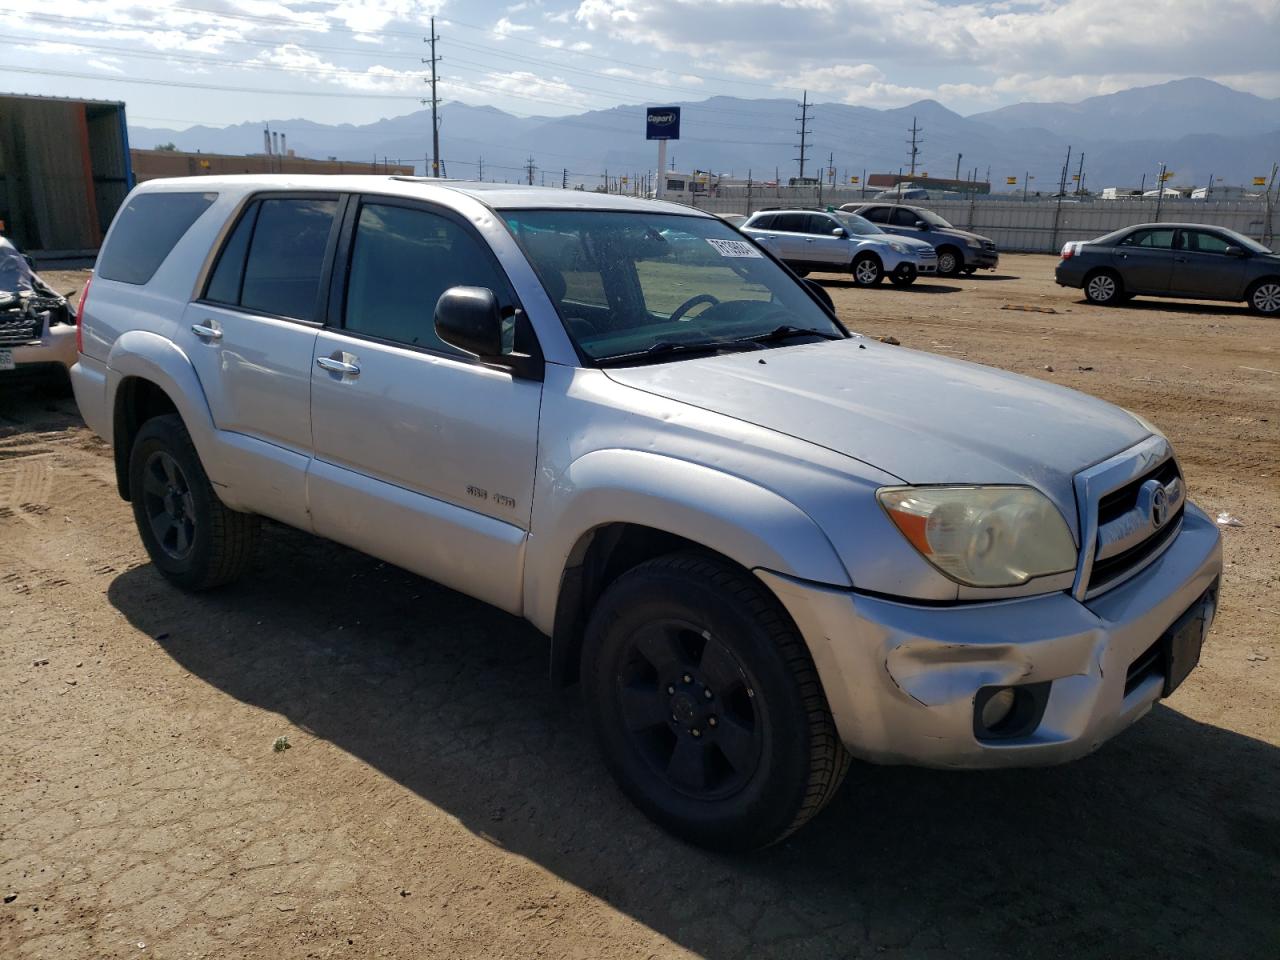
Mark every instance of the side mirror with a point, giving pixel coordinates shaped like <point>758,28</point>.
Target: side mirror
<point>838,232</point>
<point>920,225</point>
<point>1234,251</point>
<point>469,318</point>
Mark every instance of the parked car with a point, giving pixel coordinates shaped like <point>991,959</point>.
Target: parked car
<point>36,325</point>
<point>761,543</point>
<point>959,251</point>
<point>1189,260</point>
<point>808,240</point>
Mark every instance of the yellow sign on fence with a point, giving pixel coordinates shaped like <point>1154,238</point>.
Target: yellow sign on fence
<point>853,179</point>
<point>1011,180</point>
<point>1259,181</point>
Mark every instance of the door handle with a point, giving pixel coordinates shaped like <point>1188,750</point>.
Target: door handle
<point>338,366</point>
<point>205,331</point>
<point>1179,259</point>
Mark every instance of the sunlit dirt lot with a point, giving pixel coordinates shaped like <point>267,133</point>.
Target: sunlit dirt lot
<point>440,799</point>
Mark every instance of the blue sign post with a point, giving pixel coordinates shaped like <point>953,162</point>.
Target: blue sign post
<point>662,124</point>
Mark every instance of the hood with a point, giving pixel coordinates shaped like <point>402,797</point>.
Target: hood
<point>915,242</point>
<point>962,234</point>
<point>923,418</point>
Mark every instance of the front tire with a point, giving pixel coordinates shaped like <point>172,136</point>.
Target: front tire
<point>902,280</point>
<point>1104,288</point>
<point>867,270</point>
<point>192,537</point>
<point>950,262</point>
<point>706,704</point>
<point>1264,297</point>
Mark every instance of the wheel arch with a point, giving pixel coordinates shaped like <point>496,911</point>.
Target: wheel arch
<point>645,506</point>
<point>149,376</point>
<point>1256,283</point>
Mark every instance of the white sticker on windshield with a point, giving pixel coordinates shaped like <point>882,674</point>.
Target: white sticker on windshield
<point>735,248</point>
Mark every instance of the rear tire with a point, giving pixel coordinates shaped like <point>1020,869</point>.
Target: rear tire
<point>192,537</point>
<point>867,270</point>
<point>1104,288</point>
<point>1264,297</point>
<point>706,704</point>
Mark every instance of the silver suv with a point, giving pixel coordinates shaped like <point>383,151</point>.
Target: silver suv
<point>761,543</point>
<point>830,241</point>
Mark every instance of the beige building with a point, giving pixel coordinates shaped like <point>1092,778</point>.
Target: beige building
<point>155,164</point>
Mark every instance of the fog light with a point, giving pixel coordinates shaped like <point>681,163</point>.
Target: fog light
<point>997,708</point>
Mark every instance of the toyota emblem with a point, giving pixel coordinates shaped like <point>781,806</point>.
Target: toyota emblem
<point>1159,506</point>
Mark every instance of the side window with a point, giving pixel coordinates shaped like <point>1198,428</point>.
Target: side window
<point>877,214</point>
<point>764,223</point>
<point>790,222</point>
<point>1149,239</point>
<point>286,257</point>
<point>902,217</point>
<point>224,284</point>
<point>1204,242</point>
<point>817,223</point>
<point>146,230</point>
<point>402,260</point>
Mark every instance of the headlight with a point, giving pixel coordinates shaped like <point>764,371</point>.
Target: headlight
<point>983,536</point>
<point>973,242</point>
<point>899,247</point>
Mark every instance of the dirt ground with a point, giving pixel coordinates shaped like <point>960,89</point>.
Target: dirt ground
<point>439,799</point>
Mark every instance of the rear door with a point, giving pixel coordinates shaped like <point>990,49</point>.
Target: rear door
<point>1201,267</point>
<point>424,456</point>
<point>790,229</point>
<point>1145,260</point>
<point>250,339</point>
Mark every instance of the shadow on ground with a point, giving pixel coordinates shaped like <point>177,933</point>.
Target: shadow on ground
<point>920,286</point>
<point>1204,308</point>
<point>1165,844</point>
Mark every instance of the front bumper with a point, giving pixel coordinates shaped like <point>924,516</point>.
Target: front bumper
<point>57,345</point>
<point>902,678</point>
<point>983,259</point>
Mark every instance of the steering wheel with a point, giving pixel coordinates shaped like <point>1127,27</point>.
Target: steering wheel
<point>692,302</point>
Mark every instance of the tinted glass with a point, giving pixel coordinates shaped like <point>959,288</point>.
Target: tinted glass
<point>818,223</point>
<point>665,278</point>
<point>224,285</point>
<point>146,229</point>
<point>877,214</point>
<point>763,223</point>
<point>286,257</point>
<point>1204,242</point>
<point>856,225</point>
<point>905,218</point>
<point>791,222</point>
<point>1154,239</point>
<point>401,262</point>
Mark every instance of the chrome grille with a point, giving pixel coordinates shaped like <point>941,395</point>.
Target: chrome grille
<point>1131,509</point>
<point>18,330</point>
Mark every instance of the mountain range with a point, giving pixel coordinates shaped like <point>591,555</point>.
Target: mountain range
<point>1197,127</point>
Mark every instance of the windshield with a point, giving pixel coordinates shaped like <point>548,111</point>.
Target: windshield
<point>1246,242</point>
<point>856,225</point>
<point>931,218</point>
<point>640,284</point>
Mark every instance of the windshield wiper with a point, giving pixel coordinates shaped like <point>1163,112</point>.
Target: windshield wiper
<point>786,332</point>
<point>667,348</point>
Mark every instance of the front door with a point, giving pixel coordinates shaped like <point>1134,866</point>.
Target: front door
<point>1201,267</point>
<point>1145,260</point>
<point>424,456</point>
<point>250,338</point>
<point>824,247</point>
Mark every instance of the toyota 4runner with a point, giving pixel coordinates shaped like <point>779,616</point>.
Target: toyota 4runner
<point>761,543</point>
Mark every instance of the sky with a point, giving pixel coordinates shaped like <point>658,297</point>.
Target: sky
<point>217,62</point>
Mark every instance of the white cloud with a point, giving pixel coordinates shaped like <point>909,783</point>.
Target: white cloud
<point>505,28</point>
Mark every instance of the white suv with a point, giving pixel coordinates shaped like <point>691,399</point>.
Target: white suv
<point>763,544</point>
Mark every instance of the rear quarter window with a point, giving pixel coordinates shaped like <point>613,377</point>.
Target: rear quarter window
<point>146,230</point>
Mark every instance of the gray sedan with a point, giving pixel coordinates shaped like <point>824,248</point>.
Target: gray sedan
<point>1173,260</point>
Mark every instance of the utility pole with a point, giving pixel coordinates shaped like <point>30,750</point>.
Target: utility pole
<point>435,102</point>
<point>482,169</point>
<point>958,158</point>
<point>1080,175</point>
<point>1026,179</point>
<point>915,144</point>
<point>564,179</point>
<point>529,168</point>
<point>803,120</point>
<point>1160,192</point>
<point>831,168</point>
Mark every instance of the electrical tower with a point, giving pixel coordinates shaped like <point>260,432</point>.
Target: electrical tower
<point>803,120</point>
<point>434,101</point>
<point>914,157</point>
<point>529,168</point>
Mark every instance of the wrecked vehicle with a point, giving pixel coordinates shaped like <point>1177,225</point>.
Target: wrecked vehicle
<point>762,544</point>
<point>36,325</point>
